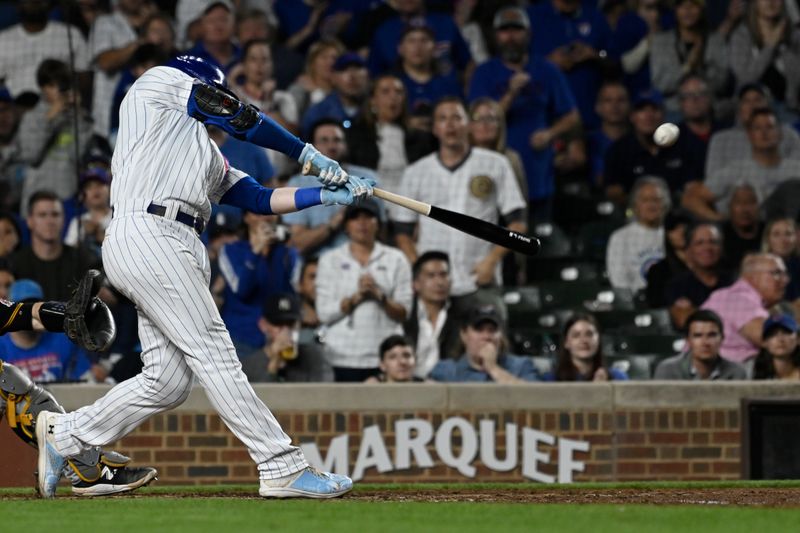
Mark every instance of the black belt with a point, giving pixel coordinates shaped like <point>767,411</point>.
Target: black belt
<point>196,223</point>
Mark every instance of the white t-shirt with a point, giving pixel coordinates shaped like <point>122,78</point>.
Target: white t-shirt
<point>22,52</point>
<point>631,251</point>
<point>109,32</point>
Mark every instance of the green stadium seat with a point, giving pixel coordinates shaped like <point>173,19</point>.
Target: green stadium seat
<point>564,269</point>
<point>638,366</point>
<point>555,241</point>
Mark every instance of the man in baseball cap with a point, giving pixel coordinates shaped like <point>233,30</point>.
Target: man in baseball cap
<point>285,356</point>
<point>484,359</point>
<point>90,228</point>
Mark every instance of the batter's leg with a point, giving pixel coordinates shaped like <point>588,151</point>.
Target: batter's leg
<point>164,271</point>
<point>165,382</point>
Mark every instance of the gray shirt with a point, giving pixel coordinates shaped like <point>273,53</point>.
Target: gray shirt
<point>763,179</point>
<point>680,367</point>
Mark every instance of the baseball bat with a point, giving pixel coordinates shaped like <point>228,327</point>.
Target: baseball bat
<point>518,242</point>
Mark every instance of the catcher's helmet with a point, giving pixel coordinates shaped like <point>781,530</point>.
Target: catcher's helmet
<point>200,69</point>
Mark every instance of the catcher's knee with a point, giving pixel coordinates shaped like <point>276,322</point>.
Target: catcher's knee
<point>21,400</point>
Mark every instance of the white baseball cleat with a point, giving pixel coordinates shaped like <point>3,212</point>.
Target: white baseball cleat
<point>51,463</point>
<point>308,483</point>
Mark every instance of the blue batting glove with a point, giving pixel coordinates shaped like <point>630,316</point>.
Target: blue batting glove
<point>352,192</point>
<point>328,171</point>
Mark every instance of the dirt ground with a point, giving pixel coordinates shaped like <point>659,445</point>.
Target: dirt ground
<point>766,497</point>
<point>759,497</point>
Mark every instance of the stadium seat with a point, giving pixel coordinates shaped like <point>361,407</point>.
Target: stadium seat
<point>639,366</point>
<point>592,239</point>
<point>534,341</point>
<point>666,345</point>
<point>555,242</point>
<point>564,269</point>
<point>636,322</point>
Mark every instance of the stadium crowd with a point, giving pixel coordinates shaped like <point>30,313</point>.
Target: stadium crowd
<point>673,262</point>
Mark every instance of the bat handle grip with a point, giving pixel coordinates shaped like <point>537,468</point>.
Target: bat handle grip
<point>309,169</point>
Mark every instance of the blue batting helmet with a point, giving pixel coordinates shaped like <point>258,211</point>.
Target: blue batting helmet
<point>200,69</point>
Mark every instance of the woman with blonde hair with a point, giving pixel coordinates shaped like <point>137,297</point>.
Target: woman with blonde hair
<point>314,84</point>
<point>487,129</point>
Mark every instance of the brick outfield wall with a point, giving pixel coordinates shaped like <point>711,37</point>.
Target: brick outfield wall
<point>662,444</point>
<point>637,431</point>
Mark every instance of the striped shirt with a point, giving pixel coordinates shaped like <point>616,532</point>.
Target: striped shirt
<point>352,341</point>
<point>162,154</point>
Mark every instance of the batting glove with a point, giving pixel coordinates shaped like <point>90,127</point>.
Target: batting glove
<point>354,191</point>
<point>328,171</point>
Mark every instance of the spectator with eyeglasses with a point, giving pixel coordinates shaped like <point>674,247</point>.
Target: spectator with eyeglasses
<point>745,305</point>
<point>697,110</point>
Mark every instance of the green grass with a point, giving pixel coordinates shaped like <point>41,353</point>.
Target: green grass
<point>214,515</point>
<point>231,515</point>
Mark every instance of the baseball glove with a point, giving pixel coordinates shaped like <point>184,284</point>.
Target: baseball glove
<point>87,319</point>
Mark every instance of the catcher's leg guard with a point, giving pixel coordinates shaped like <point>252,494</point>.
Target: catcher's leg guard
<point>22,400</point>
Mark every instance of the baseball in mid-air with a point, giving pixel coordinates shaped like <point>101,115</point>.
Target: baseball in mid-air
<point>666,134</point>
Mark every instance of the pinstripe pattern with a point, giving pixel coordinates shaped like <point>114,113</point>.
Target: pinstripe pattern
<point>162,155</point>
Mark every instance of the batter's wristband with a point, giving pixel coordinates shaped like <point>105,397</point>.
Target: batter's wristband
<point>307,197</point>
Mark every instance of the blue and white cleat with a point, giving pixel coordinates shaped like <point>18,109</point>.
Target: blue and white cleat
<point>51,463</point>
<point>310,483</point>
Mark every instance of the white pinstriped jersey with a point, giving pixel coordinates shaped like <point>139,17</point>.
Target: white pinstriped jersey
<point>164,155</point>
<point>482,186</point>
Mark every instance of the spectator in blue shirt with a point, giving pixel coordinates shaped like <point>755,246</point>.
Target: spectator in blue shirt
<point>635,154</point>
<point>580,357</point>
<point>484,359</point>
<point>613,107</point>
<point>45,356</point>
<point>254,268</point>
<point>320,228</point>
<point>575,36</point>
<point>418,68</point>
<point>536,99</point>
<point>452,51</point>
<point>350,87</point>
<point>216,44</point>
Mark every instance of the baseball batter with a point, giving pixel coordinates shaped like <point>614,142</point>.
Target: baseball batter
<point>167,171</point>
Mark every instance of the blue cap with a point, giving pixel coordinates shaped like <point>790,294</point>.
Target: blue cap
<point>95,174</point>
<point>649,97</point>
<point>200,69</point>
<point>784,321</point>
<point>25,290</point>
<point>349,59</point>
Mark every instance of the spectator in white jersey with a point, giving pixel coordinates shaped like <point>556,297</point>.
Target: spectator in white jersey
<point>113,41</point>
<point>36,38</point>
<point>363,295</point>
<point>634,248</point>
<point>469,180</point>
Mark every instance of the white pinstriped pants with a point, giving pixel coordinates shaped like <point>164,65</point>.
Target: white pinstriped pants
<point>163,268</point>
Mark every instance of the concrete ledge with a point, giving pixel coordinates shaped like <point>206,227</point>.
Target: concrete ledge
<point>723,394</point>
<point>469,397</point>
